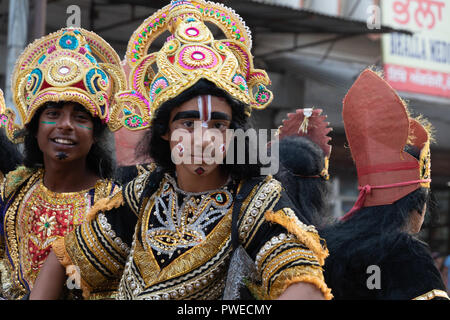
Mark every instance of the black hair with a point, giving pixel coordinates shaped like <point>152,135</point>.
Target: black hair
<point>100,158</point>
<point>368,237</point>
<point>301,162</point>
<point>158,149</point>
<point>10,156</point>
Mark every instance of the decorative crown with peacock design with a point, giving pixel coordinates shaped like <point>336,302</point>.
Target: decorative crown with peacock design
<point>189,54</point>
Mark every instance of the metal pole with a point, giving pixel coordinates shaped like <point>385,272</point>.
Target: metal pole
<point>40,18</point>
<point>17,40</point>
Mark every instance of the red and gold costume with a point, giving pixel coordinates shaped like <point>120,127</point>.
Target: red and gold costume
<point>32,218</point>
<point>69,65</point>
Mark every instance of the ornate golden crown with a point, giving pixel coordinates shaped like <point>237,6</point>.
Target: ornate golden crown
<point>189,54</point>
<point>68,65</point>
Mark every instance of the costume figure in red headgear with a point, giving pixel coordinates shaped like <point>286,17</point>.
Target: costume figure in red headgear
<point>373,251</point>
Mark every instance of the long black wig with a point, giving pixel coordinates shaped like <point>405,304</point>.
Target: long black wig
<point>10,156</point>
<point>378,236</point>
<point>301,162</point>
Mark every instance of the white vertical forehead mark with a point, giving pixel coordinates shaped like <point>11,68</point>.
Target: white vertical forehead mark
<point>200,107</point>
<point>209,107</point>
<point>204,109</point>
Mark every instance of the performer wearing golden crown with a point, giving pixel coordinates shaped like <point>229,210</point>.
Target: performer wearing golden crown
<point>182,222</point>
<point>64,85</point>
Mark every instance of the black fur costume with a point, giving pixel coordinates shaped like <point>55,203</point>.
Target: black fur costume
<point>374,237</point>
<point>10,156</point>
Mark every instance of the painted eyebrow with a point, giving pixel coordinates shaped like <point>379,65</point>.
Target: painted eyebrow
<point>186,115</point>
<point>53,106</point>
<point>196,115</point>
<point>79,107</point>
<point>220,116</point>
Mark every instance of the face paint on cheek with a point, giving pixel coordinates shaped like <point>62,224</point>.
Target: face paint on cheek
<point>84,127</point>
<point>48,122</point>
<point>180,148</point>
<point>200,171</point>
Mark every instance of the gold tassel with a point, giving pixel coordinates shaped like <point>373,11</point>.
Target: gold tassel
<point>59,248</point>
<point>304,126</point>
<point>276,291</point>
<point>310,239</point>
<point>105,204</point>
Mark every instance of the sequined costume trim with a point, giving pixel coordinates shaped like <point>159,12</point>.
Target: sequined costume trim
<point>262,198</point>
<point>283,261</point>
<point>133,191</point>
<point>105,204</point>
<point>181,244</point>
<point>306,234</point>
<point>15,178</point>
<point>34,218</point>
<point>310,275</point>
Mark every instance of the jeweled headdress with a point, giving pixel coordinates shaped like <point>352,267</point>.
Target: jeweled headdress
<point>312,124</point>
<point>68,65</point>
<point>379,131</point>
<point>189,54</point>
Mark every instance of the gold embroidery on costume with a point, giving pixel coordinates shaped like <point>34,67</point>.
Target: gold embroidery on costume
<point>36,218</point>
<point>171,268</point>
<point>134,189</point>
<point>14,179</point>
<point>306,234</point>
<point>105,204</point>
<point>183,226</point>
<point>263,199</point>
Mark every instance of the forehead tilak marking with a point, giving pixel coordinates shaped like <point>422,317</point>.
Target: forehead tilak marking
<point>204,108</point>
